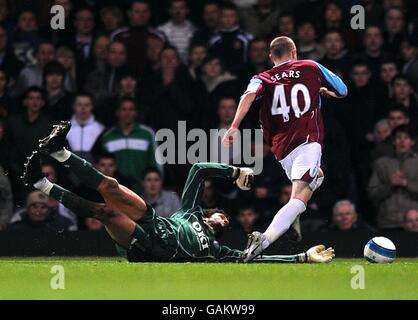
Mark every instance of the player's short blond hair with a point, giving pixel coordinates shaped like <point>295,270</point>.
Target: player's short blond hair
<point>281,46</point>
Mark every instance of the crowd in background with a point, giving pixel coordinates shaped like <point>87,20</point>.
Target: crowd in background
<point>121,70</point>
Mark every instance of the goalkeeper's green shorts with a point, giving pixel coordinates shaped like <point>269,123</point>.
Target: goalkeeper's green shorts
<point>148,242</point>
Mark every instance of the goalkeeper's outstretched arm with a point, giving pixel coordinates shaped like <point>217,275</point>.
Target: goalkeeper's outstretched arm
<point>316,254</point>
<point>191,196</point>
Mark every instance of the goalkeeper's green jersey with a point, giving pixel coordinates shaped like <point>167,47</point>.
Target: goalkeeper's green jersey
<point>185,236</point>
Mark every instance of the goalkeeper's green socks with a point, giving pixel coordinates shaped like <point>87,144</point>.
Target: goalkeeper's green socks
<point>83,169</point>
<point>75,203</point>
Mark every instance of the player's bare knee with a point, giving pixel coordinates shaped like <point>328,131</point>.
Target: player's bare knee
<point>109,184</point>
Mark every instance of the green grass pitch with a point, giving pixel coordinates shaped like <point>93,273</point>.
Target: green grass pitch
<point>112,278</point>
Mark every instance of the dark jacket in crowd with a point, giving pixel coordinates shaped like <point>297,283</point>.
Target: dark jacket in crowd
<point>53,223</point>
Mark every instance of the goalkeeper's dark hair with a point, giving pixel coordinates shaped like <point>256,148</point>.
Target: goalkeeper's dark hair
<point>207,213</point>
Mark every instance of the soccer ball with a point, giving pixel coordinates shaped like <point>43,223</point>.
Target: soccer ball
<point>380,250</point>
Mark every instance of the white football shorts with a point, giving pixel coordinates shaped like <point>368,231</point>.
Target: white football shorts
<point>303,162</point>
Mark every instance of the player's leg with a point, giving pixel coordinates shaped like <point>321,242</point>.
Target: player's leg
<point>116,196</point>
<point>118,225</point>
<point>303,169</point>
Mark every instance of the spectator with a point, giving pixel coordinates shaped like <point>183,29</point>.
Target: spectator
<point>212,198</point>
<point>5,15</point>
<point>231,42</point>
<point>267,183</point>
<point>308,48</point>
<point>409,53</point>
<point>155,45</point>
<point>58,98</point>
<point>135,37</point>
<point>394,30</point>
<point>66,57</point>
<point>333,15</point>
<point>364,110</point>
<point>211,15</point>
<point>25,129</point>
<point>197,54</point>
<point>32,75</point>
<point>83,37</point>
<point>106,164</point>
<point>345,218</point>
<point>381,130</point>
<point>261,18</point>
<point>85,130</point>
<point>393,187</point>
<point>111,18</point>
<point>8,60</point>
<point>374,11</point>
<point>411,221</point>
<point>178,30</point>
<point>226,110</point>
<point>7,105</point>
<point>383,144</point>
<point>283,197</point>
<point>127,86</point>
<point>164,202</point>
<point>132,143</point>
<point>101,82</point>
<point>258,60</point>
<point>247,219</point>
<point>25,38</point>
<point>336,166</point>
<point>37,216</point>
<point>100,53</point>
<point>397,116</point>
<point>4,147</point>
<point>373,53</point>
<point>217,81</point>
<point>403,96</point>
<point>336,57</point>
<point>167,92</point>
<point>286,26</point>
<point>6,200</point>
<point>55,207</point>
<point>388,71</point>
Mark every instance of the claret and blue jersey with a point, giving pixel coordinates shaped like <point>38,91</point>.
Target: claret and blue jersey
<point>290,103</point>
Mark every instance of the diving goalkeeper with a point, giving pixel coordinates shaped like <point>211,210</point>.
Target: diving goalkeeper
<point>140,235</point>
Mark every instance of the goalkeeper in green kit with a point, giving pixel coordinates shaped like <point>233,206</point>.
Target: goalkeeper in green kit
<point>140,235</point>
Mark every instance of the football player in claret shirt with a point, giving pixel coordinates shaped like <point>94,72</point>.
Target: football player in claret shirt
<point>291,120</point>
<point>139,234</point>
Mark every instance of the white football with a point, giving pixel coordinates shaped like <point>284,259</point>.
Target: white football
<point>380,250</point>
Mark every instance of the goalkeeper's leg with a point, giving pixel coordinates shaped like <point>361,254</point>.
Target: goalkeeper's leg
<point>119,226</point>
<point>116,196</point>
